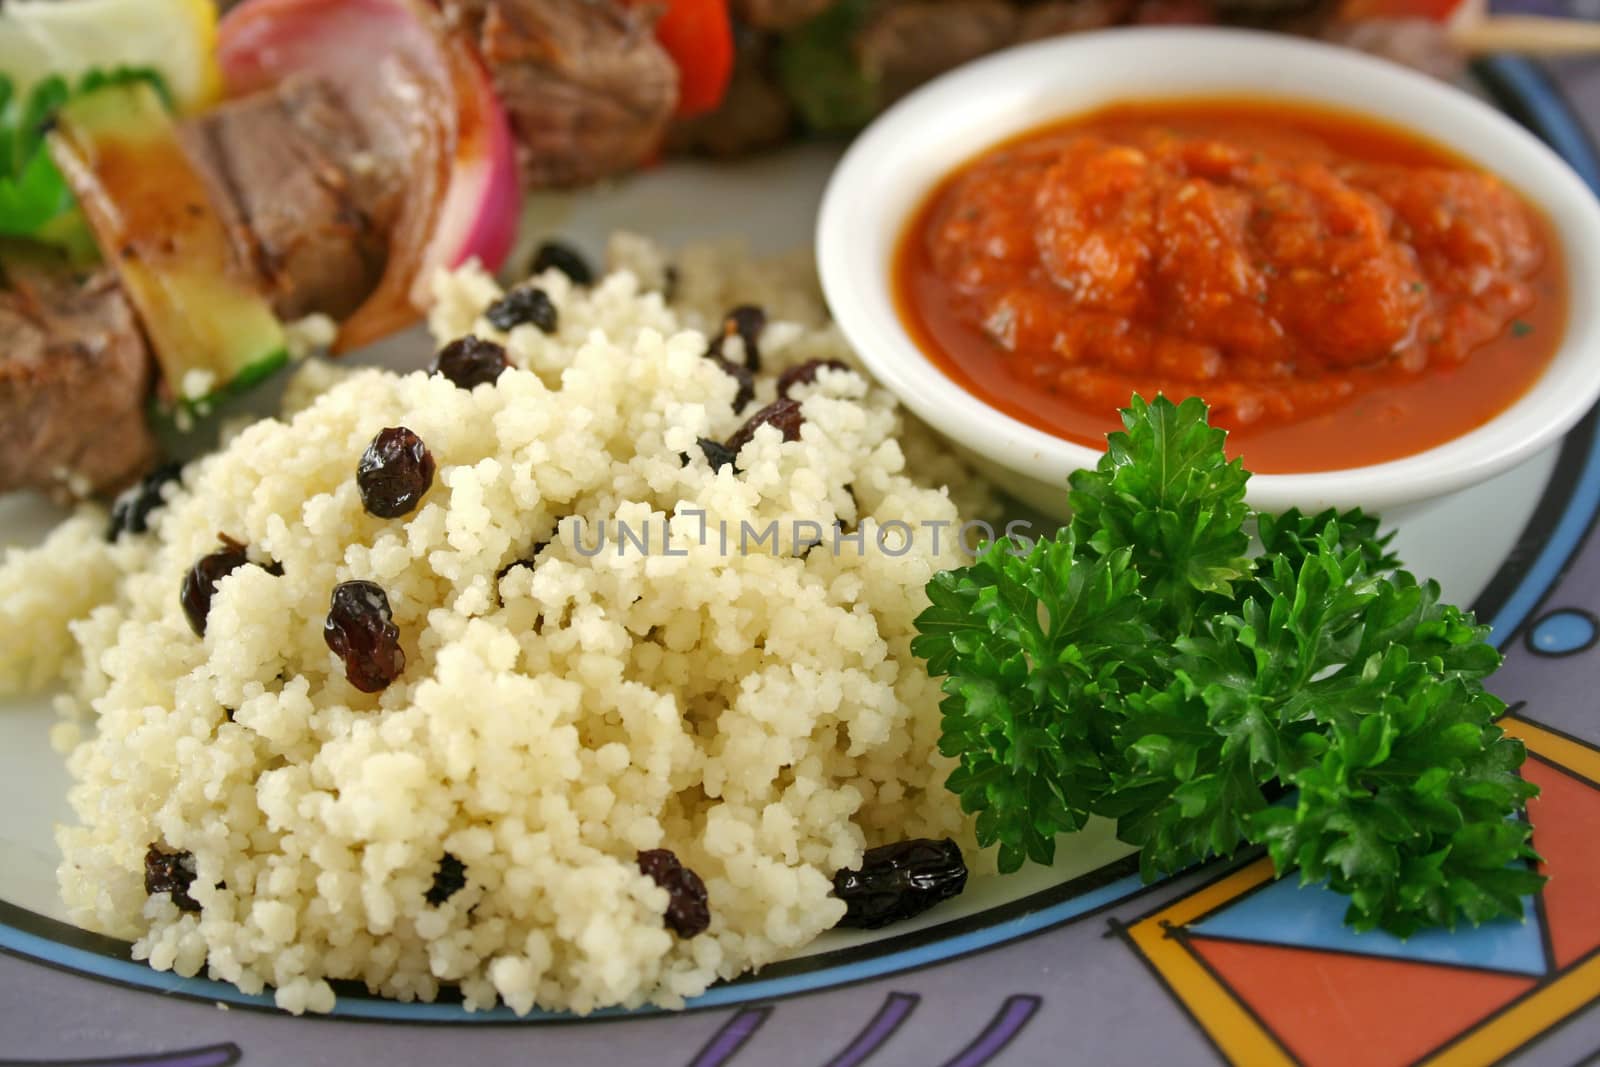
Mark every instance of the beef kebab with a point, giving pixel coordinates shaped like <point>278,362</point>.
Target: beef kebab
<point>281,195</point>
<point>319,187</point>
<point>363,145</point>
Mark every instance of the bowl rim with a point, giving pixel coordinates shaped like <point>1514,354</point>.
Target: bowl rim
<point>855,274</point>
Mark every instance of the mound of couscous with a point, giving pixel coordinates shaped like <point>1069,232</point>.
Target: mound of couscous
<point>552,701</point>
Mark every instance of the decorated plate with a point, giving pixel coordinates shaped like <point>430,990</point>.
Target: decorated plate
<point>1078,962</point>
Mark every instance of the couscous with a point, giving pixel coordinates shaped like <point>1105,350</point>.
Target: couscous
<point>564,722</point>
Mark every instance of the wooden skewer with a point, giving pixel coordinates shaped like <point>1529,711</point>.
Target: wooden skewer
<point>1530,34</point>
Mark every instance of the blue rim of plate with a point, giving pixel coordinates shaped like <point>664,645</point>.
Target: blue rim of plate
<point>1566,511</point>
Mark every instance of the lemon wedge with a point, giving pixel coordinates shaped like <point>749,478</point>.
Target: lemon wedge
<point>177,38</point>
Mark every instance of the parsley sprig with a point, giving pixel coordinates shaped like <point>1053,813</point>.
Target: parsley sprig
<point>1310,696</point>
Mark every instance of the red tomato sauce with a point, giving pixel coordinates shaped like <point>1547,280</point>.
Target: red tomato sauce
<point>1340,292</point>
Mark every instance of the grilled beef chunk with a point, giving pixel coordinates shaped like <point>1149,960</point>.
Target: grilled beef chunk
<point>778,14</point>
<point>1055,17</point>
<point>589,90</point>
<point>1289,14</point>
<point>74,375</point>
<point>907,42</point>
<point>307,200</point>
<point>754,114</point>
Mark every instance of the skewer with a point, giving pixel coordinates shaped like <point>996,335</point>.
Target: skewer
<point>1470,29</point>
<point>1530,34</point>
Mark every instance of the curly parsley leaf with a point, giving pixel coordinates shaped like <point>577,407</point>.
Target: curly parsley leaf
<point>1165,492</point>
<point>1293,535</point>
<point>1028,685</point>
<point>1406,810</point>
<point>1141,667</point>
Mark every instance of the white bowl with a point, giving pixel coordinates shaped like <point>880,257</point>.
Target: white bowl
<point>893,166</point>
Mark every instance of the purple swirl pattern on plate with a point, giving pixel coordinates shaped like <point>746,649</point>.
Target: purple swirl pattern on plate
<point>210,1056</point>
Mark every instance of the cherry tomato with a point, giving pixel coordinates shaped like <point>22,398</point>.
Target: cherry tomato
<point>1437,10</point>
<point>698,35</point>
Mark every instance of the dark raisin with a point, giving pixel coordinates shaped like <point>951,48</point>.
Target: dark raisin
<point>855,505</point>
<point>200,584</point>
<point>783,413</point>
<point>529,561</point>
<point>470,362</point>
<point>395,473</point>
<point>361,631</point>
<point>688,913</point>
<point>525,561</point>
<point>564,258</point>
<point>669,283</point>
<point>899,881</point>
<point>745,322</point>
<point>170,872</point>
<point>747,381</point>
<point>718,454</point>
<point>520,306</point>
<point>132,510</point>
<point>500,574</point>
<point>448,879</point>
<point>806,373</point>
